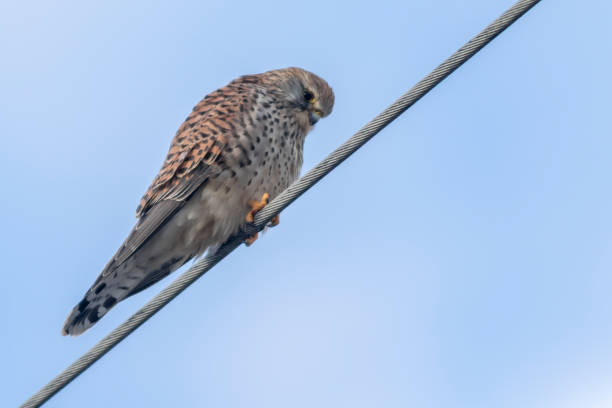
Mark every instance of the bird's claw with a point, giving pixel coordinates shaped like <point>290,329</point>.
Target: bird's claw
<point>256,206</point>
<point>249,241</point>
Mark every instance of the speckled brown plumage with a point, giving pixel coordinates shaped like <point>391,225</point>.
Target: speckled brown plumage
<point>239,143</point>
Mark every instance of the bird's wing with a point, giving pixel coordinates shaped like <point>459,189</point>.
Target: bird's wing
<point>193,156</point>
<point>155,218</point>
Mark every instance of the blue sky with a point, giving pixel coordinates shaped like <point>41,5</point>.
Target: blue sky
<point>462,258</point>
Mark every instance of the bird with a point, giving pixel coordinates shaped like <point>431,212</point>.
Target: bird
<point>239,148</point>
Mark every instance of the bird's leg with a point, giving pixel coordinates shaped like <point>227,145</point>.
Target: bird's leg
<point>275,220</point>
<point>250,217</point>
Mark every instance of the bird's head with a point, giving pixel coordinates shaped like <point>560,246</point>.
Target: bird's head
<point>305,91</point>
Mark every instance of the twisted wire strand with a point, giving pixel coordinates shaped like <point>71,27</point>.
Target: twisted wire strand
<point>282,201</point>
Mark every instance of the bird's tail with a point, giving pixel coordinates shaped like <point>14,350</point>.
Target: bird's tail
<point>112,286</point>
<point>96,302</point>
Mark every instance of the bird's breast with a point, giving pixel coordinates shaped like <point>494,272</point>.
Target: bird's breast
<point>264,156</point>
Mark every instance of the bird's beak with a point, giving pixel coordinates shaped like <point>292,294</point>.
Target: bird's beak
<point>314,116</point>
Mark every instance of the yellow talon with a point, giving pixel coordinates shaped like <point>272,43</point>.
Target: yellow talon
<point>256,206</point>
<point>250,217</point>
<point>249,241</point>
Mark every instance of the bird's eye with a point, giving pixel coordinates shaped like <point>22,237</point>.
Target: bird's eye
<point>308,96</point>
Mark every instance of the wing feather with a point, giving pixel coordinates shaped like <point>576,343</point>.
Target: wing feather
<point>153,220</point>
<point>193,156</point>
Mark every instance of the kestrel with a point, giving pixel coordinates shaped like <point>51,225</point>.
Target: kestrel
<point>241,146</point>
